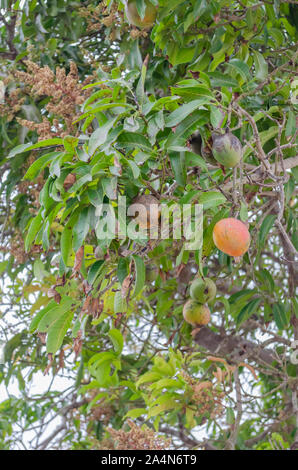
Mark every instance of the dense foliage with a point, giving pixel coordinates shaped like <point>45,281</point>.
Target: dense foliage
<point>91,108</point>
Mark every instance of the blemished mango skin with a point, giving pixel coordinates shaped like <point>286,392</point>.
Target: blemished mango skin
<point>196,314</point>
<point>134,17</point>
<point>226,149</point>
<point>203,290</point>
<point>231,236</point>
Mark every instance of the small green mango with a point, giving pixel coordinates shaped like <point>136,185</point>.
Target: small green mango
<point>226,149</point>
<point>203,290</point>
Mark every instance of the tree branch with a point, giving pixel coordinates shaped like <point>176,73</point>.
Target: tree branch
<point>235,348</point>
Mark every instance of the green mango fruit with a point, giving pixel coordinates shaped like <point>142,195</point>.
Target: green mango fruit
<point>196,314</point>
<point>226,149</point>
<point>203,290</point>
<point>135,19</point>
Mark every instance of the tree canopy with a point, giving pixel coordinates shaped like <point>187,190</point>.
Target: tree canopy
<point>93,107</point>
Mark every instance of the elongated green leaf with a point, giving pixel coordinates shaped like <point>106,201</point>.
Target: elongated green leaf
<point>36,320</point>
<point>119,303</point>
<point>291,124</point>
<point>245,293</point>
<point>136,413</point>
<point>178,166</point>
<point>189,124</point>
<point>40,164</point>
<point>94,271</point>
<point>241,67</point>
<point>132,139</point>
<point>140,274</point>
<point>122,269</point>
<point>134,168</point>
<point>109,186</point>
<point>192,159</point>
<point>211,199</point>
<point>80,229</point>
<point>26,147</point>
<point>80,182</point>
<point>117,339</point>
<point>267,224</point>
<point>54,313</point>
<point>168,405</point>
<point>66,243</point>
<point>58,331</point>
<point>99,136</point>
<point>102,107</point>
<point>148,377</point>
<point>261,65</point>
<point>219,79</point>
<point>247,311</point>
<point>280,316</point>
<point>33,229</point>
<point>183,111</point>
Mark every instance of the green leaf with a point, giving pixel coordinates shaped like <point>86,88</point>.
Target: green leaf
<point>241,67</point>
<point>94,271</point>
<point>66,243</point>
<point>247,311</point>
<point>218,80</point>
<point>178,166</point>
<point>261,65</point>
<point>70,143</point>
<point>243,211</point>
<point>148,377</point>
<point>180,55</point>
<point>186,127</point>
<point>169,404</point>
<point>109,186</point>
<point>80,182</point>
<point>34,227</point>
<point>280,316</point>
<point>239,295</point>
<point>54,313</point>
<point>119,303</point>
<point>267,224</point>
<point>230,416</point>
<point>177,116</point>
<point>81,229</point>
<point>216,116</point>
<point>122,269</point>
<point>117,339</point>
<point>267,279</point>
<point>35,321</point>
<point>26,147</point>
<point>140,274</point>
<point>291,124</point>
<point>141,7</point>
<point>40,164</point>
<point>192,159</point>
<point>211,199</point>
<point>134,168</point>
<point>99,136</point>
<point>165,383</point>
<point>136,413</point>
<point>57,332</point>
<point>133,139</point>
<point>39,269</point>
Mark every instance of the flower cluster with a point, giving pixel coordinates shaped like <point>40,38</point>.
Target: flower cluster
<point>12,103</point>
<point>205,397</point>
<point>65,94</point>
<point>98,16</point>
<point>137,438</point>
